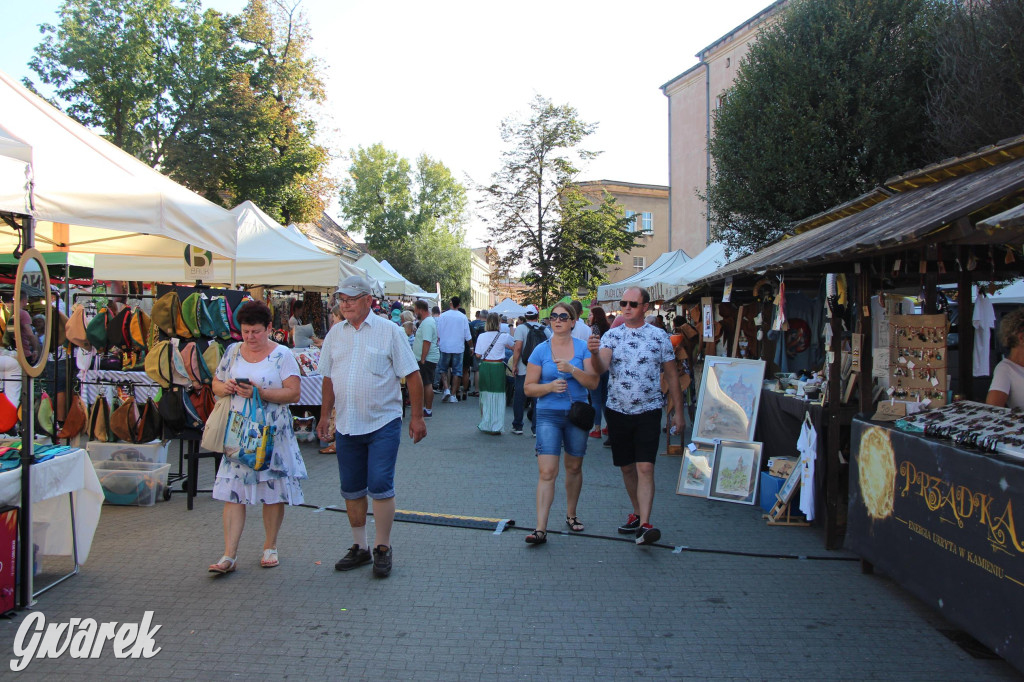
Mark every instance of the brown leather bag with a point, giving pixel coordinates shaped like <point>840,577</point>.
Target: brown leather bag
<point>124,421</point>
<point>75,420</point>
<point>99,420</point>
<point>150,426</point>
<point>75,327</point>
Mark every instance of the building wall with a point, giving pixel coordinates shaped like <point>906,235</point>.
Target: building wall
<point>693,97</point>
<point>653,199</point>
<point>479,282</point>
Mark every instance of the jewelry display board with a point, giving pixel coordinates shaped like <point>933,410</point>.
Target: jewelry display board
<point>917,358</point>
<point>972,425</point>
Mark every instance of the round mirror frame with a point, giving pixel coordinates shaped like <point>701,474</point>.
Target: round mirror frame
<point>44,351</point>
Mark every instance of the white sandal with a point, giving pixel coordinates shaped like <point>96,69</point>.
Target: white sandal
<point>269,559</point>
<point>218,569</point>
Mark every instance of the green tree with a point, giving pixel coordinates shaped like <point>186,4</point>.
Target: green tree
<point>412,217</point>
<point>829,102</point>
<point>536,214</point>
<point>219,103</point>
<point>978,84</point>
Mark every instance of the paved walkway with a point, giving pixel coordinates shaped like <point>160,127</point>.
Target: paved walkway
<point>465,604</point>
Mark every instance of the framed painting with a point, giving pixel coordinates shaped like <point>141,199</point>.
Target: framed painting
<point>695,473</point>
<point>730,393</point>
<point>735,476</point>
<point>786,491</point>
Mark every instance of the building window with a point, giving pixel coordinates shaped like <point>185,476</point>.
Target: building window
<point>631,225</point>
<point>638,263</point>
<point>647,222</point>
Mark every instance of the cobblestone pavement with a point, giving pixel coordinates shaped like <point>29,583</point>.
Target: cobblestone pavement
<point>467,604</point>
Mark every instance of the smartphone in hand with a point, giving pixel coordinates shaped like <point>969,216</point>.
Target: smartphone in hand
<point>243,381</point>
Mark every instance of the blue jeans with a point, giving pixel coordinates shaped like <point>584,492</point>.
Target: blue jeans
<point>597,398</point>
<point>366,463</point>
<point>519,405</point>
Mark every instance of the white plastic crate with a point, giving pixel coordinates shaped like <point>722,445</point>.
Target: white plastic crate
<point>132,483</point>
<point>155,451</point>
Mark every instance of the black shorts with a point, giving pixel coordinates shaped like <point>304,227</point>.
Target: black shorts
<point>633,437</point>
<point>427,373</point>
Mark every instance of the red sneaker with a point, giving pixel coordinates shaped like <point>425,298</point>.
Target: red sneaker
<point>596,433</point>
<point>604,431</point>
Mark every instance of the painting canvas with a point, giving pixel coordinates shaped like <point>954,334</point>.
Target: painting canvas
<point>695,473</point>
<point>735,476</point>
<point>730,392</point>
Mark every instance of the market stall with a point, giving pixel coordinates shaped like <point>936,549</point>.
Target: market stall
<point>825,302</point>
<point>63,188</point>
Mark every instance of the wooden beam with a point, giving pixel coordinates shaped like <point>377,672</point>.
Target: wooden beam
<point>965,373</point>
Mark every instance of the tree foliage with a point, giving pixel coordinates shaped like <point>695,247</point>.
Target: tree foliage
<point>220,103</point>
<point>536,213</point>
<point>978,84</point>
<point>413,217</point>
<point>829,102</point>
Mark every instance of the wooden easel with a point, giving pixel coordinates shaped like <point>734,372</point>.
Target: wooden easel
<point>780,515</point>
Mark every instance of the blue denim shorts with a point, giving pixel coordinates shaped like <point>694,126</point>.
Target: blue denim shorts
<point>555,433</point>
<point>450,361</point>
<point>366,463</point>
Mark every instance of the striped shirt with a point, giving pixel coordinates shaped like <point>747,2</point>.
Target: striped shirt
<point>365,366</point>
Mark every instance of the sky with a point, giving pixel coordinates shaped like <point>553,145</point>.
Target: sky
<point>439,77</point>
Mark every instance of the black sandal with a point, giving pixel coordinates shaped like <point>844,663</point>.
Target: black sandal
<point>537,537</point>
<point>574,524</point>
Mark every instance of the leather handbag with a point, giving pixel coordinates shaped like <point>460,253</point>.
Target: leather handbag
<point>211,356</point>
<point>44,414</point>
<point>115,328</point>
<point>581,414</point>
<point>171,409</point>
<point>96,330</point>
<point>217,309</point>
<point>166,311</point>
<point>139,329</point>
<point>150,426</point>
<point>203,400</point>
<point>190,315</point>
<point>188,358</point>
<point>216,424</point>
<point>99,420</point>
<point>124,421</point>
<point>75,327</point>
<point>75,419</point>
<point>158,363</point>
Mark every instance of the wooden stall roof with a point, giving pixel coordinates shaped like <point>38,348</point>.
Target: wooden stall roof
<point>923,212</point>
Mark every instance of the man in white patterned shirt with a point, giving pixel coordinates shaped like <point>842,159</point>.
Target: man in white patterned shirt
<point>362,361</point>
<point>636,353</point>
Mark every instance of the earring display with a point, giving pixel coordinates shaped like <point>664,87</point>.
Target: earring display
<point>917,358</point>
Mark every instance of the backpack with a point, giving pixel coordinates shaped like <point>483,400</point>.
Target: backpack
<point>534,337</point>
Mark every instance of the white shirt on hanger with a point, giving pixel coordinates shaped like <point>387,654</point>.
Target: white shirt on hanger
<point>984,321</point>
<point>807,444</point>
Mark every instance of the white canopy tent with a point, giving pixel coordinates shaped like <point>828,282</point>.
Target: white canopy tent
<point>88,196</point>
<point>393,283</point>
<point>419,291</point>
<point>669,275</point>
<point>268,254</point>
<point>508,308</point>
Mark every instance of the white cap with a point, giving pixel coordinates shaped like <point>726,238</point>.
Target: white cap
<point>531,310</point>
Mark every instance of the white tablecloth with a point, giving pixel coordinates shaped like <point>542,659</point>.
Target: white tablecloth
<point>51,482</point>
<point>309,387</point>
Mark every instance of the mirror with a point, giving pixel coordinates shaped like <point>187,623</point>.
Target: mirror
<point>32,300</point>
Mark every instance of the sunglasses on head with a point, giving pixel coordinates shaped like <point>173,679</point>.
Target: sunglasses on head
<point>560,316</point>
<point>629,304</point>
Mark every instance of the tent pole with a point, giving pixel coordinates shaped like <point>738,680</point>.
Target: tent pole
<point>27,440</point>
<point>233,274</point>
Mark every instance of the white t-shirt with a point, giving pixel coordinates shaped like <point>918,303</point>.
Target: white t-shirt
<point>497,350</point>
<point>1008,377</point>
<point>452,331</point>
<point>522,331</point>
<point>581,330</point>
<point>984,321</point>
<point>807,444</point>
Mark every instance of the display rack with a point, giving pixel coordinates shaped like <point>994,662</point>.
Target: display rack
<point>918,358</point>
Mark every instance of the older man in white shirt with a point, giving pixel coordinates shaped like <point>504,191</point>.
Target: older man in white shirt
<point>362,360</point>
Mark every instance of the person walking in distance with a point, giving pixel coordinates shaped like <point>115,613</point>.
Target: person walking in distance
<point>452,334</point>
<point>635,353</point>
<point>362,360</point>
<point>424,347</point>
<point>528,336</point>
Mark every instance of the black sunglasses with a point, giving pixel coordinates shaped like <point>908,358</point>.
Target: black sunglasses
<point>560,316</point>
<point>630,304</point>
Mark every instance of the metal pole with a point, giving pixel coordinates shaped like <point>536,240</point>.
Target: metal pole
<point>27,438</point>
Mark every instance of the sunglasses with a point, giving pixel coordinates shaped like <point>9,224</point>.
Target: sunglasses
<point>560,316</point>
<point>629,304</point>
<point>345,301</point>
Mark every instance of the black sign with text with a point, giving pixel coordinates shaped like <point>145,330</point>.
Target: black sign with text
<point>942,522</point>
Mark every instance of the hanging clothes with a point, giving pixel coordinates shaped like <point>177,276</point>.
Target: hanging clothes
<point>984,320</point>
<point>807,444</point>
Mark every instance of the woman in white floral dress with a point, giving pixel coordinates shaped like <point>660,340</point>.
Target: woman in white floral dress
<point>272,369</point>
